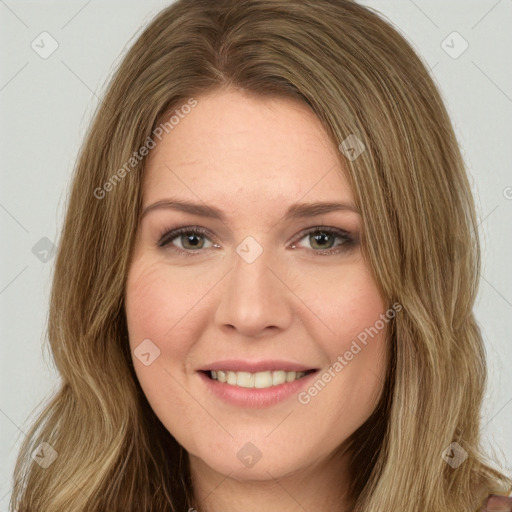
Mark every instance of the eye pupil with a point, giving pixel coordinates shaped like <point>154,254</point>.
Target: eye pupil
<point>321,238</point>
<point>190,240</point>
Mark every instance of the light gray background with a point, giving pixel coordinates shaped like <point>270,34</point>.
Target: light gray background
<point>46,105</point>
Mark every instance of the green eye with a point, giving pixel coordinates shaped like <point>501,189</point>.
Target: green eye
<point>191,240</point>
<point>324,239</point>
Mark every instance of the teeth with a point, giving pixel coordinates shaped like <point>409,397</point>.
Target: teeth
<point>231,378</point>
<point>278,377</point>
<point>255,380</point>
<point>262,379</point>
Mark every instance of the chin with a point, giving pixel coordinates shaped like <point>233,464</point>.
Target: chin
<point>250,463</point>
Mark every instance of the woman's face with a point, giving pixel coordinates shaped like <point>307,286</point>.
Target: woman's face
<point>269,286</point>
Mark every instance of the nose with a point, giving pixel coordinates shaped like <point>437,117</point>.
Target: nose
<point>255,298</point>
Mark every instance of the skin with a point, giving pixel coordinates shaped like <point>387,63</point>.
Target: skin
<point>252,158</point>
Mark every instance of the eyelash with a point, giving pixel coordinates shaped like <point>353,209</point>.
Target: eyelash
<point>172,233</point>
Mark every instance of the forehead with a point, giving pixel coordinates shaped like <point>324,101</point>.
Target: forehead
<point>236,148</point>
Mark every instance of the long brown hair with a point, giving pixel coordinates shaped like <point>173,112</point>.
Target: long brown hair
<point>362,79</point>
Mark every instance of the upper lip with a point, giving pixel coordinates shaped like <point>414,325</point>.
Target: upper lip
<point>239,365</point>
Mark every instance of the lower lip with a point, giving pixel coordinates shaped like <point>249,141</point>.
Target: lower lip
<point>255,397</point>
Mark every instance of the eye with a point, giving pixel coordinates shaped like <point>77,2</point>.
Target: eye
<point>191,240</point>
<point>186,240</point>
<point>323,240</point>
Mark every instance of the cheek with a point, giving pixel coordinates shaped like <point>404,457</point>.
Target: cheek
<point>149,306</point>
<point>160,303</point>
<point>160,309</point>
<point>154,306</point>
<point>355,343</point>
<point>347,303</point>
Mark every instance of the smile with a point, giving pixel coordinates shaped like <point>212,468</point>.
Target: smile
<point>259,380</point>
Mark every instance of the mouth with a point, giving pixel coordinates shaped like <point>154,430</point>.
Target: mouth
<point>259,380</point>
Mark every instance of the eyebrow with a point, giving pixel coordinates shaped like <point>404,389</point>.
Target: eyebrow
<point>295,211</point>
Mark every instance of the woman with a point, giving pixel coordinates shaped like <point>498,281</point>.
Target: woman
<point>264,288</point>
